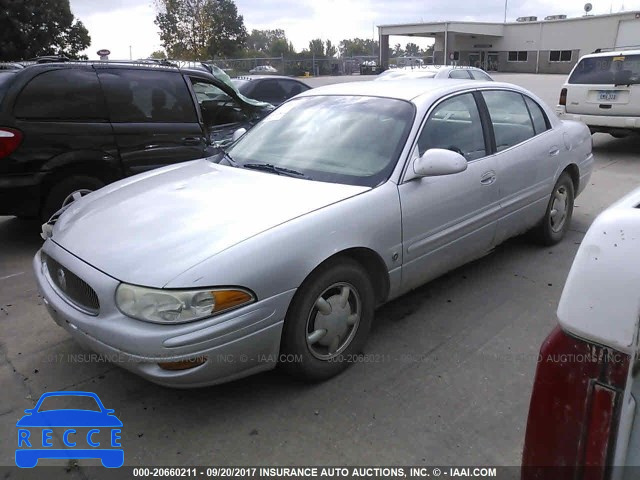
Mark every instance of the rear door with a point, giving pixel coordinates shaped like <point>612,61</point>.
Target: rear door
<point>605,85</point>
<point>153,117</point>
<point>527,151</point>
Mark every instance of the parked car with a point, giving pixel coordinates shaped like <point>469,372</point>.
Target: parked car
<point>343,198</point>
<point>583,418</point>
<point>603,91</point>
<point>273,89</point>
<point>69,128</point>
<point>263,69</point>
<point>435,71</point>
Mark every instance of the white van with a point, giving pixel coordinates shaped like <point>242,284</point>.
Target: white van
<point>603,91</point>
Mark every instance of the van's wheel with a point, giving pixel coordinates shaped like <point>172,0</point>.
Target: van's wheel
<point>328,321</point>
<point>557,218</point>
<point>67,191</point>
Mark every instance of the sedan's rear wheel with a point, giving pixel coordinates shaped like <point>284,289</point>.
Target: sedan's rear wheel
<point>557,218</point>
<point>328,321</point>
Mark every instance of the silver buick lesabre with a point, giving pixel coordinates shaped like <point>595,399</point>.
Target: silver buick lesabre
<point>278,250</point>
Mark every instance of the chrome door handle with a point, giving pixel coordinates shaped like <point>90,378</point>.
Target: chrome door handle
<point>554,151</point>
<point>488,178</point>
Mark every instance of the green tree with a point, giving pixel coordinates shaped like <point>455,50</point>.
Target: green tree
<point>397,50</point>
<point>412,50</point>
<point>330,49</point>
<point>358,47</point>
<point>30,29</point>
<point>158,55</point>
<point>196,29</point>
<point>316,47</point>
<point>268,43</point>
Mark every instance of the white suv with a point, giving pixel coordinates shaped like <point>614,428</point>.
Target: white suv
<point>603,91</point>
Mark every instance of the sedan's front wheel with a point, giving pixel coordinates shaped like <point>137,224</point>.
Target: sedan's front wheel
<point>328,321</point>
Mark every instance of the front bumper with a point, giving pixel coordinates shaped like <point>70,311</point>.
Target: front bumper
<point>236,344</point>
<point>601,122</point>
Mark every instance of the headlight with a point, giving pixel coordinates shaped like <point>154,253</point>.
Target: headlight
<point>177,306</point>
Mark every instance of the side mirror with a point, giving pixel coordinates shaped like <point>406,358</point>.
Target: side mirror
<point>438,161</point>
<point>238,133</point>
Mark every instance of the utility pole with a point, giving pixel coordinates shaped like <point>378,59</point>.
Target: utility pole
<point>130,54</point>
<point>505,11</point>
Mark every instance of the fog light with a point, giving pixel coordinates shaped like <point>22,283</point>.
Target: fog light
<point>183,364</point>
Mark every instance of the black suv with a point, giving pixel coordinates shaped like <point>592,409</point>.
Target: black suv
<point>67,129</point>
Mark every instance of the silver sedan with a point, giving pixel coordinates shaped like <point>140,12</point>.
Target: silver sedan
<point>434,71</point>
<point>278,250</point>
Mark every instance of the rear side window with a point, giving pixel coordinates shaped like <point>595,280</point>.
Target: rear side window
<point>510,118</point>
<point>292,88</point>
<point>64,94</point>
<point>603,70</point>
<point>5,81</point>
<point>269,91</point>
<point>145,96</point>
<point>540,121</point>
<point>478,75</point>
<point>458,73</point>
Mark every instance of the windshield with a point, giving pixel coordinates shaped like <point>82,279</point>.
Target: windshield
<point>604,70</point>
<point>69,402</point>
<point>339,139</point>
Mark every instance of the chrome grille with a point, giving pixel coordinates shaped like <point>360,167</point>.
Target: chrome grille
<point>72,287</point>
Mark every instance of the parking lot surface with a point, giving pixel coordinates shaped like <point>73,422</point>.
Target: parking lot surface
<point>446,377</point>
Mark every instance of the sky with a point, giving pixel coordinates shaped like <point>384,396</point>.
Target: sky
<point>118,24</point>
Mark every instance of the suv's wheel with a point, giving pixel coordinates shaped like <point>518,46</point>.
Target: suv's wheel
<point>66,191</point>
<point>557,219</point>
<point>328,320</point>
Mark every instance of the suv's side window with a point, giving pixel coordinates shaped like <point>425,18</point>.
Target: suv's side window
<point>63,94</point>
<point>292,88</point>
<point>216,106</point>
<point>509,116</point>
<point>141,96</point>
<point>459,73</point>
<point>540,121</point>
<point>455,125</point>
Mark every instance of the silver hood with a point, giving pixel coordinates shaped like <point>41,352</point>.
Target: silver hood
<point>148,229</point>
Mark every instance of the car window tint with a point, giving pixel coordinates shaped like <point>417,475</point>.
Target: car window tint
<point>478,75</point>
<point>64,94</point>
<point>459,73</point>
<point>216,106</point>
<point>147,96</point>
<point>455,125</point>
<point>292,88</point>
<point>509,116</point>
<point>540,121</point>
<point>269,91</point>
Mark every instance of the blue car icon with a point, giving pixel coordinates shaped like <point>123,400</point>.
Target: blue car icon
<point>36,444</point>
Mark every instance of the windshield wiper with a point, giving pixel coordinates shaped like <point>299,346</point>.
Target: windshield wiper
<point>268,167</point>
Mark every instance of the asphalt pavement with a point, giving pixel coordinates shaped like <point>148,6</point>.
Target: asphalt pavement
<point>446,377</point>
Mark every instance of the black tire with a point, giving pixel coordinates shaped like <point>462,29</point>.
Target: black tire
<point>546,232</point>
<point>62,189</point>
<point>303,314</point>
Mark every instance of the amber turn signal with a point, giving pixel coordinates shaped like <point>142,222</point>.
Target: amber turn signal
<point>183,364</point>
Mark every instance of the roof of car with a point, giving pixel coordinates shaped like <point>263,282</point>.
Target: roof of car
<point>403,89</point>
<point>613,53</point>
<point>261,77</point>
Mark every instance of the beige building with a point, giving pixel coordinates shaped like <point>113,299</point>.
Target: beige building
<point>552,45</point>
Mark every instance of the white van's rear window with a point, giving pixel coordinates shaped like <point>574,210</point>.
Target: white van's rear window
<point>605,70</point>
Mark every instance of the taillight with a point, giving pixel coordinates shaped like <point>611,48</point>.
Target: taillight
<point>574,410</point>
<point>9,140</point>
<point>563,97</point>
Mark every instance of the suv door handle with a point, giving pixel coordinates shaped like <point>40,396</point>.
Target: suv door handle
<point>554,151</point>
<point>191,141</point>
<point>488,178</point>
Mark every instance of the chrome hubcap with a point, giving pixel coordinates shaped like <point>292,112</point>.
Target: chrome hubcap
<point>73,196</point>
<point>559,209</point>
<point>333,321</point>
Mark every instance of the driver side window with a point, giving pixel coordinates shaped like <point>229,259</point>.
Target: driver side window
<point>455,125</point>
<point>216,106</point>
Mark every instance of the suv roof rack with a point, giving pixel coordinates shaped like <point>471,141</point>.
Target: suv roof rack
<point>616,49</point>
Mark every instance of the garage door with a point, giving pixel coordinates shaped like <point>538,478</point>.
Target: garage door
<point>628,33</point>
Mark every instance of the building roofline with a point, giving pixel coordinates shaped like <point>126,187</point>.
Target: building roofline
<point>467,22</point>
